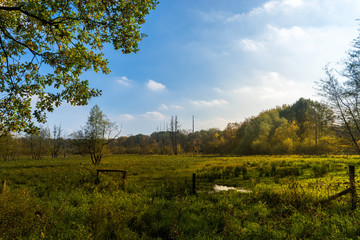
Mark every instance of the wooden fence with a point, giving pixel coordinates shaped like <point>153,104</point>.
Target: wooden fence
<point>351,190</point>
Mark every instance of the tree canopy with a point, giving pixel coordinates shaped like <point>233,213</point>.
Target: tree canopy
<point>65,38</point>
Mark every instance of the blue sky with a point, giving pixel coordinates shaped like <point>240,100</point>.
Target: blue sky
<point>221,61</point>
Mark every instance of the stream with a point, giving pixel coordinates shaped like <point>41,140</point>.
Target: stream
<point>219,188</point>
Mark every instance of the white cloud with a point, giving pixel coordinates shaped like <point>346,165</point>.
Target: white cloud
<point>124,81</point>
<point>155,86</point>
<point>176,107</point>
<point>153,116</point>
<point>251,45</point>
<point>126,117</point>
<point>285,35</point>
<point>234,17</point>
<point>163,107</point>
<point>217,122</point>
<point>272,86</point>
<point>172,106</point>
<point>276,6</point>
<point>214,102</point>
<point>218,90</point>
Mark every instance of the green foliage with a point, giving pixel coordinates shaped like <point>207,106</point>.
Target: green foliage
<point>20,215</point>
<point>96,135</point>
<point>266,134</point>
<point>55,198</point>
<point>9,147</point>
<point>67,37</point>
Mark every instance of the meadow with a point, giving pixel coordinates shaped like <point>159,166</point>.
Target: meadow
<point>62,199</point>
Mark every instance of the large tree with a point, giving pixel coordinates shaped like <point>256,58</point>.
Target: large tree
<point>65,38</point>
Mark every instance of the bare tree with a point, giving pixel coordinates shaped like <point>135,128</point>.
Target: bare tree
<point>56,141</point>
<point>174,130</point>
<point>342,98</point>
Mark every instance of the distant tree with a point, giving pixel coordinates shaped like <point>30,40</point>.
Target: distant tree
<point>314,122</point>
<point>66,36</point>
<point>211,140</point>
<point>163,141</point>
<point>98,133</point>
<point>268,133</point>
<point>9,147</point>
<point>229,135</point>
<point>57,141</point>
<point>197,145</point>
<point>39,143</point>
<point>174,131</point>
<point>78,141</point>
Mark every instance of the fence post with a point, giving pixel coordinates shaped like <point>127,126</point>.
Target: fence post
<point>194,183</point>
<point>352,186</point>
<point>124,176</point>
<point>97,180</point>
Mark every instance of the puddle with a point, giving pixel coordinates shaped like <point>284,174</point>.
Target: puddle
<point>219,188</point>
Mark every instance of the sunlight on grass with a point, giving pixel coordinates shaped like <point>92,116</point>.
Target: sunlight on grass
<point>60,198</point>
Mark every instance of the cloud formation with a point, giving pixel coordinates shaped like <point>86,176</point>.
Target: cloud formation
<point>172,106</point>
<point>124,81</point>
<point>153,116</point>
<point>276,6</point>
<point>155,86</point>
<point>126,117</point>
<point>214,102</point>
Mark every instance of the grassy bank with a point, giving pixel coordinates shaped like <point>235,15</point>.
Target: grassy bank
<point>59,198</point>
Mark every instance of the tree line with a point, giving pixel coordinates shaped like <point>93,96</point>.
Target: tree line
<point>305,127</point>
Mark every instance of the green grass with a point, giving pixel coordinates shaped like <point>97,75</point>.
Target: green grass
<point>59,198</point>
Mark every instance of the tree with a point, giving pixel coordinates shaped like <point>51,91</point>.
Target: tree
<point>344,104</point>
<point>341,90</point>
<point>267,133</point>
<point>229,135</point>
<point>56,141</point>
<point>79,142</point>
<point>67,37</point>
<point>39,143</point>
<point>98,133</point>
<point>9,147</point>
<point>174,131</point>
<point>314,121</point>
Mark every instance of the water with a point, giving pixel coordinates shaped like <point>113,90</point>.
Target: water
<point>219,188</point>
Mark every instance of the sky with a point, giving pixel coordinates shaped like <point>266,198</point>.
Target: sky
<point>219,61</point>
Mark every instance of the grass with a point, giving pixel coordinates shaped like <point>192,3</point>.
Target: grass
<point>59,199</point>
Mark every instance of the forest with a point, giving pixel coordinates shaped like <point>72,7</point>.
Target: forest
<point>305,127</point>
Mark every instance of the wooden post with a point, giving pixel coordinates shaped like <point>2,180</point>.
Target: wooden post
<point>352,186</point>
<point>194,183</point>
<point>97,180</point>
<point>124,176</point>
<point>351,190</point>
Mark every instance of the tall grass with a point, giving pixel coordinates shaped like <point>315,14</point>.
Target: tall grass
<point>60,199</point>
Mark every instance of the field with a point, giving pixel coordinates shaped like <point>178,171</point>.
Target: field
<point>62,199</point>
